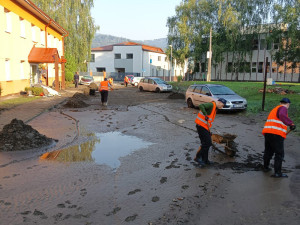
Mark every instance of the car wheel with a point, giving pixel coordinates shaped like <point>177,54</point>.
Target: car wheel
<point>157,90</point>
<point>141,88</point>
<point>190,103</point>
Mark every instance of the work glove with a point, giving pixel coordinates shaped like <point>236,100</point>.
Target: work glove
<point>293,127</point>
<point>206,118</point>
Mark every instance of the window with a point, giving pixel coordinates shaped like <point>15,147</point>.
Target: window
<point>101,69</point>
<point>117,56</point>
<point>198,89</point>
<point>264,44</point>
<point>8,21</point>
<point>22,69</point>
<point>159,58</point>
<point>205,91</point>
<point>33,33</point>
<point>260,67</point>
<point>129,56</point>
<point>42,37</point>
<point>253,67</point>
<point>7,69</point>
<point>166,59</point>
<point>92,58</point>
<point>229,67</point>
<point>22,26</point>
<point>276,44</point>
<point>255,44</point>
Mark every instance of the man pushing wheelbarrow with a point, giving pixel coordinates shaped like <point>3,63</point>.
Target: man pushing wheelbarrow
<point>204,121</point>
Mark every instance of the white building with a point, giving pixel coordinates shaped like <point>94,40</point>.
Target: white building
<point>133,58</point>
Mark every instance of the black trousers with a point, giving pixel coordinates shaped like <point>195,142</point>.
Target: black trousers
<point>206,142</point>
<point>274,144</point>
<point>104,96</point>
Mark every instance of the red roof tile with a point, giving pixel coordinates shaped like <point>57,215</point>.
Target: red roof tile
<point>144,47</point>
<point>42,55</point>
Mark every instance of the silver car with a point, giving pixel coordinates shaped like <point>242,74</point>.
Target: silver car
<point>202,93</point>
<point>135,81</point>
<point>154,84</point>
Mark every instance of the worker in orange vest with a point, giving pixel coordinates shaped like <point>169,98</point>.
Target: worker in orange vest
<point>111,81</point>
<point>204,120</point>
<point>275,131</point>
<point>126,80</point>
<point>103,88</point>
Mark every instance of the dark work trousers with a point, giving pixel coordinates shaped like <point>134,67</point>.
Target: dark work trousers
<point>76,83</point>
<point>205,140</point>
<point>274,144</point>
<point>104,96</point>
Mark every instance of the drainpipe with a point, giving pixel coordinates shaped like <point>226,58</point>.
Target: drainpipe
<point>63,75</point>
<point>46,44</point>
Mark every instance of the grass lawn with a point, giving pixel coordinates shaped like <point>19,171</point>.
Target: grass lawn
<point>9,103</point>
<point>250,91</point>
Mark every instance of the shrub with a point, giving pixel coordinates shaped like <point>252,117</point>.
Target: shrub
<point>179,78</point>
<point>37,91</point>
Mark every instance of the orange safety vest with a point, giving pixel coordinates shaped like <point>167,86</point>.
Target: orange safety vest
<point>104,85</point>
<point>200,120</point>
<point>126,79</point>
<point>275,125</point>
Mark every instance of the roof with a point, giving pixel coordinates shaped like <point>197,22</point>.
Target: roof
<point>144,47</point>
<point>30,7</point>
<point>42,55</point>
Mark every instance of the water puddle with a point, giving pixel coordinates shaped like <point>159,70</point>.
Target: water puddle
<point>104,148</point>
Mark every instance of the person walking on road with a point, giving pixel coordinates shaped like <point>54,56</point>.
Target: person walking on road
<point>76,79</point>
<point>103,88</point>
<point>126,80</point>
<point>275,131</point>
<point>204,121</point>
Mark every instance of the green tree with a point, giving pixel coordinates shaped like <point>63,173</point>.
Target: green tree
<point>75,17</point>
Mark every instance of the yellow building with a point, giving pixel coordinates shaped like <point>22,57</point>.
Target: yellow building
<point>31,47</point>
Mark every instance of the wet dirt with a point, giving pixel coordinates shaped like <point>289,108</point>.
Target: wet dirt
<point>154,184</point>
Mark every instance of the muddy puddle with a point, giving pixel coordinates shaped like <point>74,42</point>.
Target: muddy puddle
<point>103,148</point>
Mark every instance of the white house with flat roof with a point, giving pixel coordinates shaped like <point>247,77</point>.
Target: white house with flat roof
<point>133,58</point>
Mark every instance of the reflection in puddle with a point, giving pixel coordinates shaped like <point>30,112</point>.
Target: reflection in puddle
<point>105,148</point>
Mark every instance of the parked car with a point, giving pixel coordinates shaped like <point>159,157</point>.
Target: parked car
<point>202,93</point>
<point>135,81</point>
<point>86,80</point>
<point>154,84</point>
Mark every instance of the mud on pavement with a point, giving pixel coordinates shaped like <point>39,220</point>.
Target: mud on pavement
<point>153,183</point>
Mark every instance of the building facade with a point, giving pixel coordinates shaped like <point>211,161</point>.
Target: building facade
<point>30,42</point>
<point>134,58</point>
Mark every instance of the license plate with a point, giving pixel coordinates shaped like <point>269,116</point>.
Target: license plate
<point>237,106</point>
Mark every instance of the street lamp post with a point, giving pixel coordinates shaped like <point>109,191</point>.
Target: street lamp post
<point>171,69</point>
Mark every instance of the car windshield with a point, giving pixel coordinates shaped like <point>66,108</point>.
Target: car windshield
<point>159,81</point>
<point>87,77</point>
<point>221,90</point>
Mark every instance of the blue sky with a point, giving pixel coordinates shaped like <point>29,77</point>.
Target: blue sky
<point>134,19</point>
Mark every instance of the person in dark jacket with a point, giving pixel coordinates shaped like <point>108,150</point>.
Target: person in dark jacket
<point>275,131</point>
<point>76,79</point>
<point>204,121</point>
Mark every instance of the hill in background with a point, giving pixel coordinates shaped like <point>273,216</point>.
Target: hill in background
<point>103,40</point>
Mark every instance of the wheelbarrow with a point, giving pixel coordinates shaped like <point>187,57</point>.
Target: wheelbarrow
<point>225,141</point>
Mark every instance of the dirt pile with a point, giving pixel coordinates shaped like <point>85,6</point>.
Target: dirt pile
<point>176,95</point>
<point>18,136</point>
<point>77,101</point>
<point>277,90</point>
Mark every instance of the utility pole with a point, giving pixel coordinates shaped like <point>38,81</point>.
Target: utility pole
<point>265,85</point>
<point>209,55</point>
<point>171,64</point>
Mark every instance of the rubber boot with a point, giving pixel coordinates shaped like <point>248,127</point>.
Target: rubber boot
<point>266,165</point>
<point>277,168</point>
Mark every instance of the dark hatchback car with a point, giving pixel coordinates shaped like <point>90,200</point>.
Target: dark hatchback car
<point>202,93</point>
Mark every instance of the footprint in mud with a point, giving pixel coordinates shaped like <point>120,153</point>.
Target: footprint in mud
<point>131,218</point>
<point>156,165</point>
<point>184,187</point>
<point>39,213</point>
<point>25,212</point>
<point>163,180</point>
<point>133,192</point>
<point>61,205</point>
<point>108,125</point>
<point>115,210</point>
<point>83,192</point>
<point>155,199</point>
<point>6,177</point>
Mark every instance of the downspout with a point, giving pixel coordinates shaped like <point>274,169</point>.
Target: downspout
<point>46,45</point>
<point>63,74</point>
